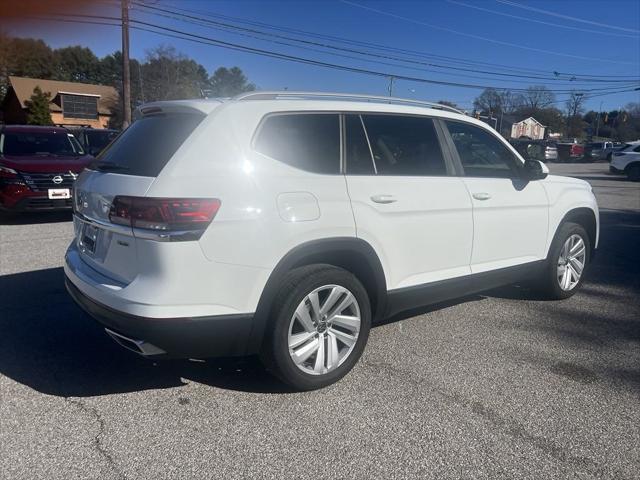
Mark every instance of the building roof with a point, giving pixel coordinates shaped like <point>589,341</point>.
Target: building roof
<point>23,87</point>
<point>530,118</point>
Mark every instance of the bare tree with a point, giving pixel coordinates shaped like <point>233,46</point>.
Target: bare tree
<point>575,107</point>
<point>447,103</point>
<point>538,96</point>
<point>489,101</point>
<point>574,104</point>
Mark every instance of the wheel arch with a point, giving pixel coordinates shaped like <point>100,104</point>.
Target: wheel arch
<point>586,217</point>
<point>631,164</point>
<point>352,254</point>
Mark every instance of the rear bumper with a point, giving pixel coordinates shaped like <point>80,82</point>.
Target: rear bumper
<point>615,170</point>
<point>188,337</point>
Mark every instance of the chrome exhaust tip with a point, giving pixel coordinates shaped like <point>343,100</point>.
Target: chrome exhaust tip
<point>140,347</point>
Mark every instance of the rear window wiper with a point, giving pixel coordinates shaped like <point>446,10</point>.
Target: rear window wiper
<point>108,166</point>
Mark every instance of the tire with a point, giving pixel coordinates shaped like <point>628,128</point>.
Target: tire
<point>321,334</point>
<point>633,172</point>
<point>551,284</point>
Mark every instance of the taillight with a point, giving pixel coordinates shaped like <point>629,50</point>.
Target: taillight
<point>188,217</point>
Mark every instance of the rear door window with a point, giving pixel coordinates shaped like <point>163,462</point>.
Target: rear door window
<point>404,145</point>
<point>308,141</point>
<point>146,146</point>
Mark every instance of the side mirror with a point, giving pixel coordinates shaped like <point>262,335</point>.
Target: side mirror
<point>535,170</point>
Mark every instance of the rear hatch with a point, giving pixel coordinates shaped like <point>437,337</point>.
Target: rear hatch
<point>124,171</point>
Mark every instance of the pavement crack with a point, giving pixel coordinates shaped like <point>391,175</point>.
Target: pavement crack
<point>97,439</point>
<point>506,425</point>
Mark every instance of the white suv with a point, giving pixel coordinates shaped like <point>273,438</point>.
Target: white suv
<point>284,224</point>
<point>627,161</point>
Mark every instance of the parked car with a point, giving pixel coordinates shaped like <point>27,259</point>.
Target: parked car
<point>38,166</point>
<point>284,224</point>
<point>568,151</point>
<point>595,151</point>
<point>94,140</point>
<point>627,161</point>
<point>543,150</point>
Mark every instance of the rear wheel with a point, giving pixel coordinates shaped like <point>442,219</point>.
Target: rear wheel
<point>633,172</point>
<point>320,325</point>
<point>567,261</point>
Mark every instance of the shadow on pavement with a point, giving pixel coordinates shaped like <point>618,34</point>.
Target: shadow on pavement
<point>30,218</point>
<point>50,345</point>
<point>599,328</point>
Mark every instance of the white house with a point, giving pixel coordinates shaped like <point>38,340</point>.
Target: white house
<point>529,127</point>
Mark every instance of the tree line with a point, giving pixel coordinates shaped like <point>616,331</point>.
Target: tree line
<point>164,74</point>
<point>571,121</point>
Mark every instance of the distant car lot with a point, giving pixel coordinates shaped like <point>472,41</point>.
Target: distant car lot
<point>493,386</point>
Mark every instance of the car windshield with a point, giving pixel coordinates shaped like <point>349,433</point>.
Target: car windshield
<point>23,144</point>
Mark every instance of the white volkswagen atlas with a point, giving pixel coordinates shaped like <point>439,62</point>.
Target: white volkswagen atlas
<point>285,224</point>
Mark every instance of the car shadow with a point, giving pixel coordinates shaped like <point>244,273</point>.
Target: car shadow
<point>52,346</point>
<point>49,344</point>
<point>33,218</point>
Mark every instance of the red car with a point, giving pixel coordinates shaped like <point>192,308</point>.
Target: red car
<point>38,166</point>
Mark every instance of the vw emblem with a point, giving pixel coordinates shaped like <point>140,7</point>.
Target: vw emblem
<point>57,179</point>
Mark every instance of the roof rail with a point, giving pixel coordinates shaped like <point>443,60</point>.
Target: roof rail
<point>275,95</point>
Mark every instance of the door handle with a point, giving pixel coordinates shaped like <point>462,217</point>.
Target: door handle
<point>384,198</point>
<point>481,196</point>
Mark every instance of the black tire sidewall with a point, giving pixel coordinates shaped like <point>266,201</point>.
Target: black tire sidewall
<point>550,280</point>
<point>276,349</point>
<point>633,172</point>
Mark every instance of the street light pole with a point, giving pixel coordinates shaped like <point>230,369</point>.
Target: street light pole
<point>126,74</point>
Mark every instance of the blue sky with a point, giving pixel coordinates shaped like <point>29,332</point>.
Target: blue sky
<point>594,38</point>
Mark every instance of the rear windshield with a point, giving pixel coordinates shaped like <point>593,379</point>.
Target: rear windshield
<point>45,144</point>
<point>146,146</point>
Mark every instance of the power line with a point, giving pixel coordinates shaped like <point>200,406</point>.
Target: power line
<point>478,37</point>
<point>566,17</point>
<point>298,59</point>
<point>559,25</point>
<point>225,26</point>
<point>174,33</point>
<point>413,53</point>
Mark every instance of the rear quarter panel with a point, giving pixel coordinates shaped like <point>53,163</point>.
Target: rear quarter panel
<point>250,229</point>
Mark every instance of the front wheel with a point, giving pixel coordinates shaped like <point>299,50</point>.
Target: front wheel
<point>567,261</point>
<point>319,327</point>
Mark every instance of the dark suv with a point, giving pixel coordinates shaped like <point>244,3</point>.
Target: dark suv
<point>38,166</point>
<point>94,140</point>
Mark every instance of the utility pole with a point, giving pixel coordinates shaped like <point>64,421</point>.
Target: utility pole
<point>391,80</point>
<point>126,74</point>
<point>598,120</point>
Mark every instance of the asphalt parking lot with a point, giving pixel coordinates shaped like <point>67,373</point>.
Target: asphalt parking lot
<point>499,385</point>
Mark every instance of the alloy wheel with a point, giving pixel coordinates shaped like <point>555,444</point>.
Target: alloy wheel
<point>324,329</point>
<point>571,262</point>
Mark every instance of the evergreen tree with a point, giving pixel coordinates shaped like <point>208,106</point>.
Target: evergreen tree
<point>38,108</point>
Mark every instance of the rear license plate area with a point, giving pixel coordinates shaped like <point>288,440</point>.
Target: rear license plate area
<point>89,238</point>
